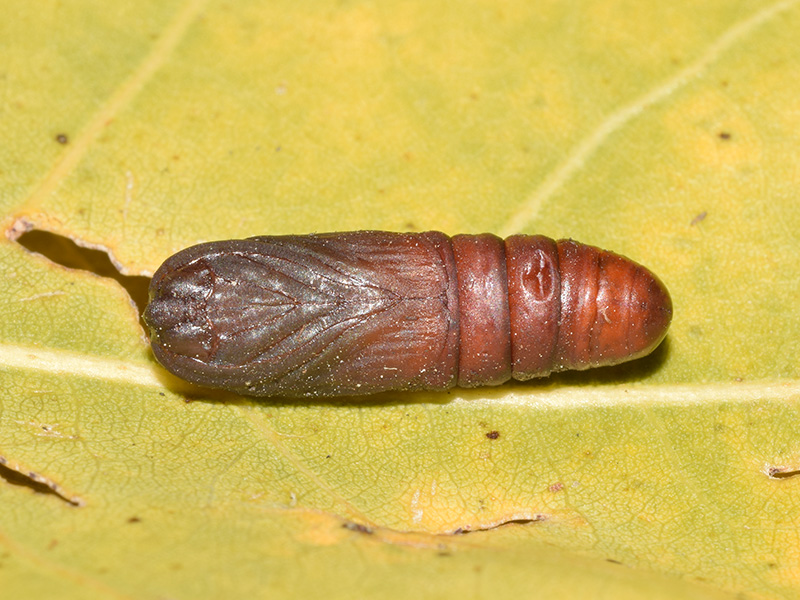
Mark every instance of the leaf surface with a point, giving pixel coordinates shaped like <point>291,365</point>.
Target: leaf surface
<point>664,131</point>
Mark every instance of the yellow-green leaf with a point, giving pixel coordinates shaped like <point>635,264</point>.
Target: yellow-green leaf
<point>668,132</point>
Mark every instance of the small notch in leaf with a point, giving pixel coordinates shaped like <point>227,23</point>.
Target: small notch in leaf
<point>63,251</point>
<point>514,521</point>
<point>15,475</point>
<point>781,472</point>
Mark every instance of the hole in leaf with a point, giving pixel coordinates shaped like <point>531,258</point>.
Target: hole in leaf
<point>65,252</point>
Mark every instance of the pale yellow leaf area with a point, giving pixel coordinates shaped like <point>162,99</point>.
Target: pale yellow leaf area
<point>667,131</point>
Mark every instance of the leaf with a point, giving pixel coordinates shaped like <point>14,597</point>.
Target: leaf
<point>667,132</point>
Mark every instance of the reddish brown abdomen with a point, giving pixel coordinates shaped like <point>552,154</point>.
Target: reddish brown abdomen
<point>570,306</point>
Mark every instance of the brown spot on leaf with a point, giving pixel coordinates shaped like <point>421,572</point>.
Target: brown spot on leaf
<point>698,218</point>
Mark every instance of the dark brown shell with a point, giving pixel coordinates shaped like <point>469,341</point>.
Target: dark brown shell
<point>369,311</point>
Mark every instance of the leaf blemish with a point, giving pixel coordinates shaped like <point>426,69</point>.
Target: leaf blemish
<point>698,218</point>
<point>358,527</point>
